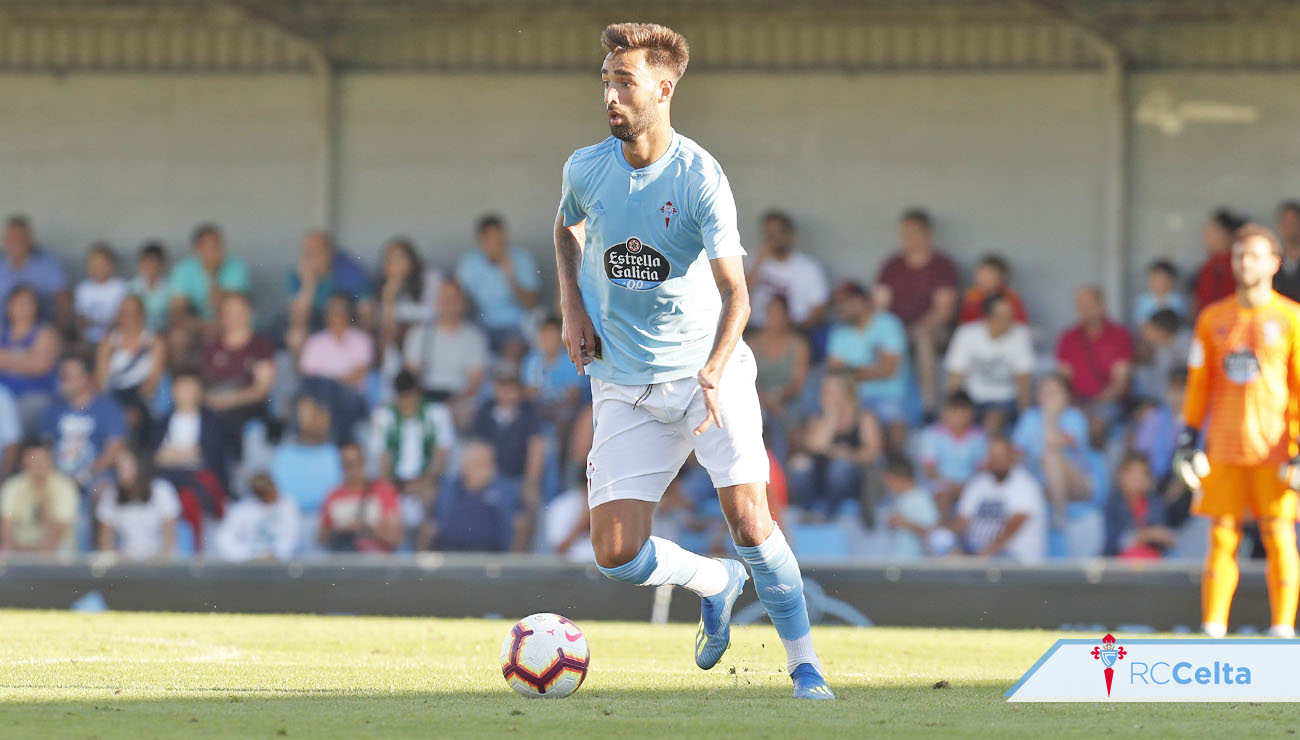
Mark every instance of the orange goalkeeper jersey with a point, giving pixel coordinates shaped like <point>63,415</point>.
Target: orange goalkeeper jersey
<point>1243,372</point>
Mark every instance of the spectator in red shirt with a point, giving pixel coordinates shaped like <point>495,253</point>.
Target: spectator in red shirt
<point>360,515</point>
<point>919,286</point>
<point>1096,355</point>
<point>238,368</point>
<point>990,279</point>
<point>1214,278</point>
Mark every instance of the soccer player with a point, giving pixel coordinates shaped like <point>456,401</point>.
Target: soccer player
<point>1243,372</point>
<point>653,297</point>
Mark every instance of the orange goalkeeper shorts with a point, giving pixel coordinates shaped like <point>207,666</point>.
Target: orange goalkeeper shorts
<point>1235,490</point>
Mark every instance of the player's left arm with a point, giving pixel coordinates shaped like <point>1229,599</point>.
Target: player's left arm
<point>729,274</point>
<point>1290,472</point>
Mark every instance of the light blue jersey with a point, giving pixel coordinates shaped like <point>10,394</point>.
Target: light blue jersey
<point>646,279</point>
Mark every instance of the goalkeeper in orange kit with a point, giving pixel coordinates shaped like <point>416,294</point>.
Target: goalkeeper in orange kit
<point>1243,377</point>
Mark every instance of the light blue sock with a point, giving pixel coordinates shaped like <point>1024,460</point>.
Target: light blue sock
<point>780,587</point>
<point>659,562</point>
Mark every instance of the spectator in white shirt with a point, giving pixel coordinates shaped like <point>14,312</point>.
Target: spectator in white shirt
<point>100,295</point>
<point>781,270</point>
<point>449,355</point>
<point>137,515</point>
<point>992,360</point>
<point>264,527</point>
<point>1002,512</point>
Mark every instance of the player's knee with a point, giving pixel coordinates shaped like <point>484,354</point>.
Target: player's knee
<point>612,554</point>
<point>751,531</point>
<point>1275,532</point>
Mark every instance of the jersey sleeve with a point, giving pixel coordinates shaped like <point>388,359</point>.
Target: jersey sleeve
<point>1293,386</point>
<point>571,211</point>
<point>1198,374</point>
<point>716,216</point>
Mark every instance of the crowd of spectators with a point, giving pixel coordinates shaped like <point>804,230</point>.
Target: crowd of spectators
<point>151,410</point>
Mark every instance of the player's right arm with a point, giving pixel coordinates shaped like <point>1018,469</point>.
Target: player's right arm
<point>1190,462</point>
<point>577,330</point>
<point>570,234</point>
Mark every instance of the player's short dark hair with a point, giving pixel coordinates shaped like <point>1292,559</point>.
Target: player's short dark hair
<point>103,250</point>
<point>1227,219</point>
<point>853,289</point>
<point>1134,458</point>
<point>992,300</point>
<point>187,371</point>
<point>81,358</point>
<point>959,399</point>
<point>489,221</point>
<point>347,299</point>
<point>1251,230</point>
<point>1289,205</point>
<point>781,217</point>
<point>899,464</point>
<point>664,47</point>
<point>1166,320</point>
<point>405,382</point>
<point>506,374</point>
<point>18,221</point>
<point>1165,266</point>
<point>1000,438</point>
<point>31,443</point>
<point>918,216</point>
<point>207,228</point>
<point>997,262</point>
<point>154,250</point>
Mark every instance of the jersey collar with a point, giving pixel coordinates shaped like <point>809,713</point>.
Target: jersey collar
<point>654,166</point>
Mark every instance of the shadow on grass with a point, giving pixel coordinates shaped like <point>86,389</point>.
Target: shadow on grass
<point>974,710</point>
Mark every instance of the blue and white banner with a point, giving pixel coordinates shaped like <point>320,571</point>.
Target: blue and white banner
<point>1111,669</point>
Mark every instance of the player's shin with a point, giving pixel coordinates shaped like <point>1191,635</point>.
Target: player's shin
<point>780,587</point>
<point>1278,536</point>
<point>1220,574</point>
<point>661,562</point>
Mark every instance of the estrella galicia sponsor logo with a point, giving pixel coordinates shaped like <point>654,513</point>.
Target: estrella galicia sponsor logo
<point>636,265</point>
<point>1241,367</point>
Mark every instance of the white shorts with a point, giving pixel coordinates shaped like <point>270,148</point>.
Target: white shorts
<point>645,432</point>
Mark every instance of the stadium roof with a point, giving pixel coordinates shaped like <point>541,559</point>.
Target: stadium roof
<point>549,35</point>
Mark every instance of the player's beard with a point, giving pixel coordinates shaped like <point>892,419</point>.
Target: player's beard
<point>634,124</point>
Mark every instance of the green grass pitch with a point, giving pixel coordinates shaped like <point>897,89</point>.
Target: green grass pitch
<point>141,676</point>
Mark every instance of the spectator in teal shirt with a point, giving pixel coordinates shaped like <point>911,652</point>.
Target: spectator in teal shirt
<point>501,280</point>
<point>152,285</point>
<point>324,270</point>
<point>872,344</point>
<point>913,512</point>
<point>202,278</point>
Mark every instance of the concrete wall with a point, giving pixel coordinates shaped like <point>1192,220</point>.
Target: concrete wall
<point>1206,140</point>
<point>1012,162</point>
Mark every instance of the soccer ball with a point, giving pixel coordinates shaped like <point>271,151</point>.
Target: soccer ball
<point>545,655</point>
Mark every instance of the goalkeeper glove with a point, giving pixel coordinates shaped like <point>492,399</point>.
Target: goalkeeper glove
<point>1290,473</point>
<point>1190,462</point>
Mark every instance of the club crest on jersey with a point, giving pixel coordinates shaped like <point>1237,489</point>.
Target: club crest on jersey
<point>1272,331</point>
<point>1241,367</point>
<point>636,265</point>
<point>668,210</point>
